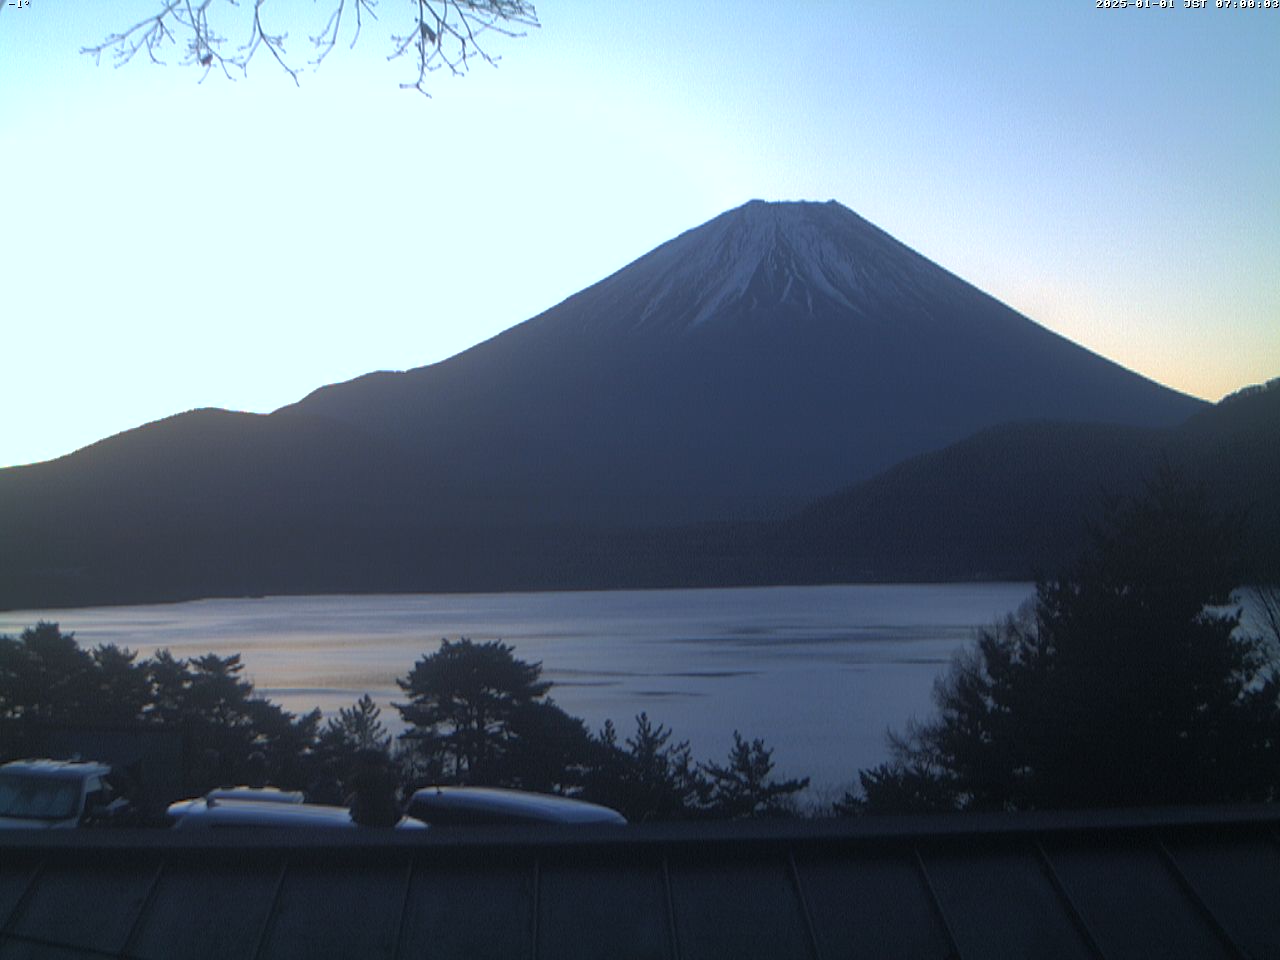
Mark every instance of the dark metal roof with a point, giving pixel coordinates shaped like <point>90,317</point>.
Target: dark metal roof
<point>1197,883</point>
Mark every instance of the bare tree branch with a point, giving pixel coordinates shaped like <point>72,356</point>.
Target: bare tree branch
<point>442,34</point>
<point>445,34</point>
<point>147,35</point>
<point>326,39</point>
<point>274,43</point>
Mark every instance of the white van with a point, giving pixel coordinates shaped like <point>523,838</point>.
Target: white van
<point>56,794</point>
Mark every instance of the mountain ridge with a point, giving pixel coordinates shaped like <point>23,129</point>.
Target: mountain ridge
<point>725,387</point>
<point>772,356</point>
<point>1014,501</point>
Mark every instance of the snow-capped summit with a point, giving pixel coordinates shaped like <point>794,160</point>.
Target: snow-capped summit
<point>777,268</point>
<point>800,256</point>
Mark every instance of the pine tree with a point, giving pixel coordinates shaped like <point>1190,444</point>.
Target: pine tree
<point>1126,682</point>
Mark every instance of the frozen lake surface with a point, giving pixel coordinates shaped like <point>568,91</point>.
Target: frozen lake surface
<point>819,672</point>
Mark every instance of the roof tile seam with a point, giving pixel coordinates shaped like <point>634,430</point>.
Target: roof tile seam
<point>1188,888</point>
<point>1077,918</point>
<point>815,949</point>
<point>537,906</point>
<point>143,907</point>
<point>268,922</point>
<point>673,934</point>
<point>398,942</point>
<point>936,903</point>
<point>20,905</point>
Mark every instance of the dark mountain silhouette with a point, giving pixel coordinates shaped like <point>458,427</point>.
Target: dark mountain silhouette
<point>204,502</point>
<point>776,354</point>
<point>1013,502</point>
<point>1004,504</point>
<point>1233,448</point>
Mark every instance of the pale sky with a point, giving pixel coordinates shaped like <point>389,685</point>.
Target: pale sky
<point>1113,174</point>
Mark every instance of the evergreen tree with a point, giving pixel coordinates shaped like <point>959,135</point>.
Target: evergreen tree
<point>548,750</point>
<point>358,727</point>
<point>45,676</point>
<point>464,702</point>
<point>231,735</point>
<point>650,779</point>
<point>121,688</point>
<point>1126,682</point>
<point>744,786</point>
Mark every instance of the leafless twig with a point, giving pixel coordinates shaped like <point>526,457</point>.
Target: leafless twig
<point>273,42</point>
<point>443,33</point>
<point>326,39</point>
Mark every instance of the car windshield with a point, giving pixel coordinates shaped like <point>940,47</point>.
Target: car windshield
<point>38,798</point>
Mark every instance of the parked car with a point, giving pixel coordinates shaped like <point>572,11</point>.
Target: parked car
<point>480,806</point>
<point>205,814</point>
<point>57,794</point>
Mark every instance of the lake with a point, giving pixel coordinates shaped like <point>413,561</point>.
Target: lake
<point>820,673</point>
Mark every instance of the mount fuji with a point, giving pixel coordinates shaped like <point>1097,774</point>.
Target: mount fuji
<point>772,356</point>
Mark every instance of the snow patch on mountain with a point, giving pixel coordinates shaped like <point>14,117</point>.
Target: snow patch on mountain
<point>762,255</point>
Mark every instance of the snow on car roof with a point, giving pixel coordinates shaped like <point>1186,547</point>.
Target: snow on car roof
<point>200,814</point>
<point>71,769</point>
<point>516,803</point>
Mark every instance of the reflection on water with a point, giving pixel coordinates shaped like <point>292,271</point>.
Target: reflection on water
<point>819,672</point>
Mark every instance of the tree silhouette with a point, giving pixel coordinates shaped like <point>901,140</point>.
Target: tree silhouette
<point>464,700</point>
<point>548,750</point>
<point>437,34</point>
<point>914,782</point>
<point>1126,682</point>
<point>121,690</point>
<point>45,676</point>
<point>338,747</point>
<point>650,779</point>
<point>358,727</point>
<point>476,714</point>
<point>225,724</point>
<point>372,790</point>
<point>744,786</point>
